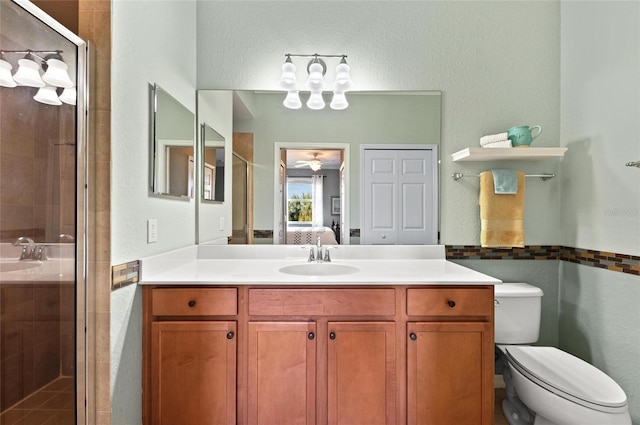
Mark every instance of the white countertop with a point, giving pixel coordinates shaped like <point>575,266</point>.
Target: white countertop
<point>261,264</point>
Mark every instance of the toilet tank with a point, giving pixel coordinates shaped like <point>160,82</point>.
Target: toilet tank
<point>517,313</point>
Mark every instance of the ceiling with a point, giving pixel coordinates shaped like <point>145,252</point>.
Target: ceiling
<point>330,159</point>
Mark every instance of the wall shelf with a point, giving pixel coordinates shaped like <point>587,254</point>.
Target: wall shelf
<point>514,154</point>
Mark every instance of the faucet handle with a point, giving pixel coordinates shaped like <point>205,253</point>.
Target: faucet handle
<point>311,256</point>
<point>25,254</point>
<point>327,257</point>
<point>42,254</point>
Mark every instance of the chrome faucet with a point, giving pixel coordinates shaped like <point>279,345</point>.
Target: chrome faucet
<point>318,250</point>
<point>317,256</point>
<point>28,248</point>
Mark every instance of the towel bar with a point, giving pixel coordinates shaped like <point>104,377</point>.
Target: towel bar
<point>543,177</point>
<point>633,164</point>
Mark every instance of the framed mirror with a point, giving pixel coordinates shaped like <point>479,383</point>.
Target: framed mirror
<point>171,147</point>
<point>212,164</point>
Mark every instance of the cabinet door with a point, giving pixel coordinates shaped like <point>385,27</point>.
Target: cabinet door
<point>361,371</point>
<point>282,373</point>
<point>193,369</point>
<point>450,373</point>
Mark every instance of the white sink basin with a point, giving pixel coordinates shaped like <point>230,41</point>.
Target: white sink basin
<point>319,269</point>
<point>15,265</point>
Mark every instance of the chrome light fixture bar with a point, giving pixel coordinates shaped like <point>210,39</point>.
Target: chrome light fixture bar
<point>315,84</point>
<point>28,74</point>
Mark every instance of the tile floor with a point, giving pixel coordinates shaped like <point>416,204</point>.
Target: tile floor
<point>51,405</point>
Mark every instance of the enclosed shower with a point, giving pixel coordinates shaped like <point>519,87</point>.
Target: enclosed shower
<point>42,219</point>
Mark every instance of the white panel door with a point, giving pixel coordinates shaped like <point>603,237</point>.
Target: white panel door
<point>399,197</point>
<point>380,197</point>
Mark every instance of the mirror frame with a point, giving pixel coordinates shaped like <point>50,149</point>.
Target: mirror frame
<point>154,89</point>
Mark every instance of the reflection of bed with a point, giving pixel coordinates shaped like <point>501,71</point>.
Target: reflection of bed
<point>309,235</point>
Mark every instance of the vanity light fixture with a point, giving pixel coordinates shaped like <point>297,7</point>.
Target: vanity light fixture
<point>315,84</point>
<point>29,74</point>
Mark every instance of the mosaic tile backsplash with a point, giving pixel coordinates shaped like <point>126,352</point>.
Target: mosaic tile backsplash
<point>605,260</point>
<point>125,274</point>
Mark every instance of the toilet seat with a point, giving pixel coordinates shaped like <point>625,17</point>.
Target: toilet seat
<point>568,377</point>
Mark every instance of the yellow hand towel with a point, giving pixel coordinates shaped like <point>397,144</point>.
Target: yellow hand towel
<point>501,216</point>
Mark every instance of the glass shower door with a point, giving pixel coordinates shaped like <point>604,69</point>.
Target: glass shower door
<point>42,199</point>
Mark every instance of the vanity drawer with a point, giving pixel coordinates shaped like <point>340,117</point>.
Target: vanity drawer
<point>450,302</point>
<point>322,302</point>
<point>194,301</point>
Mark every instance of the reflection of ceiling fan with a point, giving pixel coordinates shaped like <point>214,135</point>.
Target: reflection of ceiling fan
<point>314,164</point>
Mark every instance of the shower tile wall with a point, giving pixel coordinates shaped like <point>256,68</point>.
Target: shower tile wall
<point>34,193</point>
<point>94,25</point>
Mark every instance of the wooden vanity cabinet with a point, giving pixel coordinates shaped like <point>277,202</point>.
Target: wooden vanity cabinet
<point>450,356</point>
<point>318,355</point>
<point>190,362</point>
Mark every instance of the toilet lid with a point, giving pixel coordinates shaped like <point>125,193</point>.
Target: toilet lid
<point>567,376</point>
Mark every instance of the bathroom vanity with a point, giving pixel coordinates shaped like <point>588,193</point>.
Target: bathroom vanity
<point>402,338</point>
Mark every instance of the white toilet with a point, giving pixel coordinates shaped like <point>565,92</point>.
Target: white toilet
<point>545,385</point>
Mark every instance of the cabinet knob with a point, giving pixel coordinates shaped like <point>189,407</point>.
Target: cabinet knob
<point>191,303</point>
<point>230,335</point>
<point>332,335</point>
<point>310,335</point>
<point>413,336</point>
<point>451,303</point>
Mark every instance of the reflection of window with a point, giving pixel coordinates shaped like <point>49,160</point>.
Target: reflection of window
<point>299,199</point>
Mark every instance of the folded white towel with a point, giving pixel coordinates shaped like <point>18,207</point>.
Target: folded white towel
<point>501,144</point>
<point>492,138</point>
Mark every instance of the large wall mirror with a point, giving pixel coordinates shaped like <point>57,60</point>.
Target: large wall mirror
<point>171,146</point>
<point>284,138</point>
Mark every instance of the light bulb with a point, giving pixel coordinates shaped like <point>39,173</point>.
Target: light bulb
<point>6,80</point>
<point>28,73</point>
<point>69,95</point>
<point>288,79</point>
<point>315,102</point>
<point>342,82</point>
<point>339,101</point>
<point>292,101</point>
<point>56,74</point>
<point>315,165</point>
<point>48,95</point>
<point>315,82</point>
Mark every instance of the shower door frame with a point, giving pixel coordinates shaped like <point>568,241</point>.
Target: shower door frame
<point>85,380</point>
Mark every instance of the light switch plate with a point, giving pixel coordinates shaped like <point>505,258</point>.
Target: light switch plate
<point>152,230</point>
